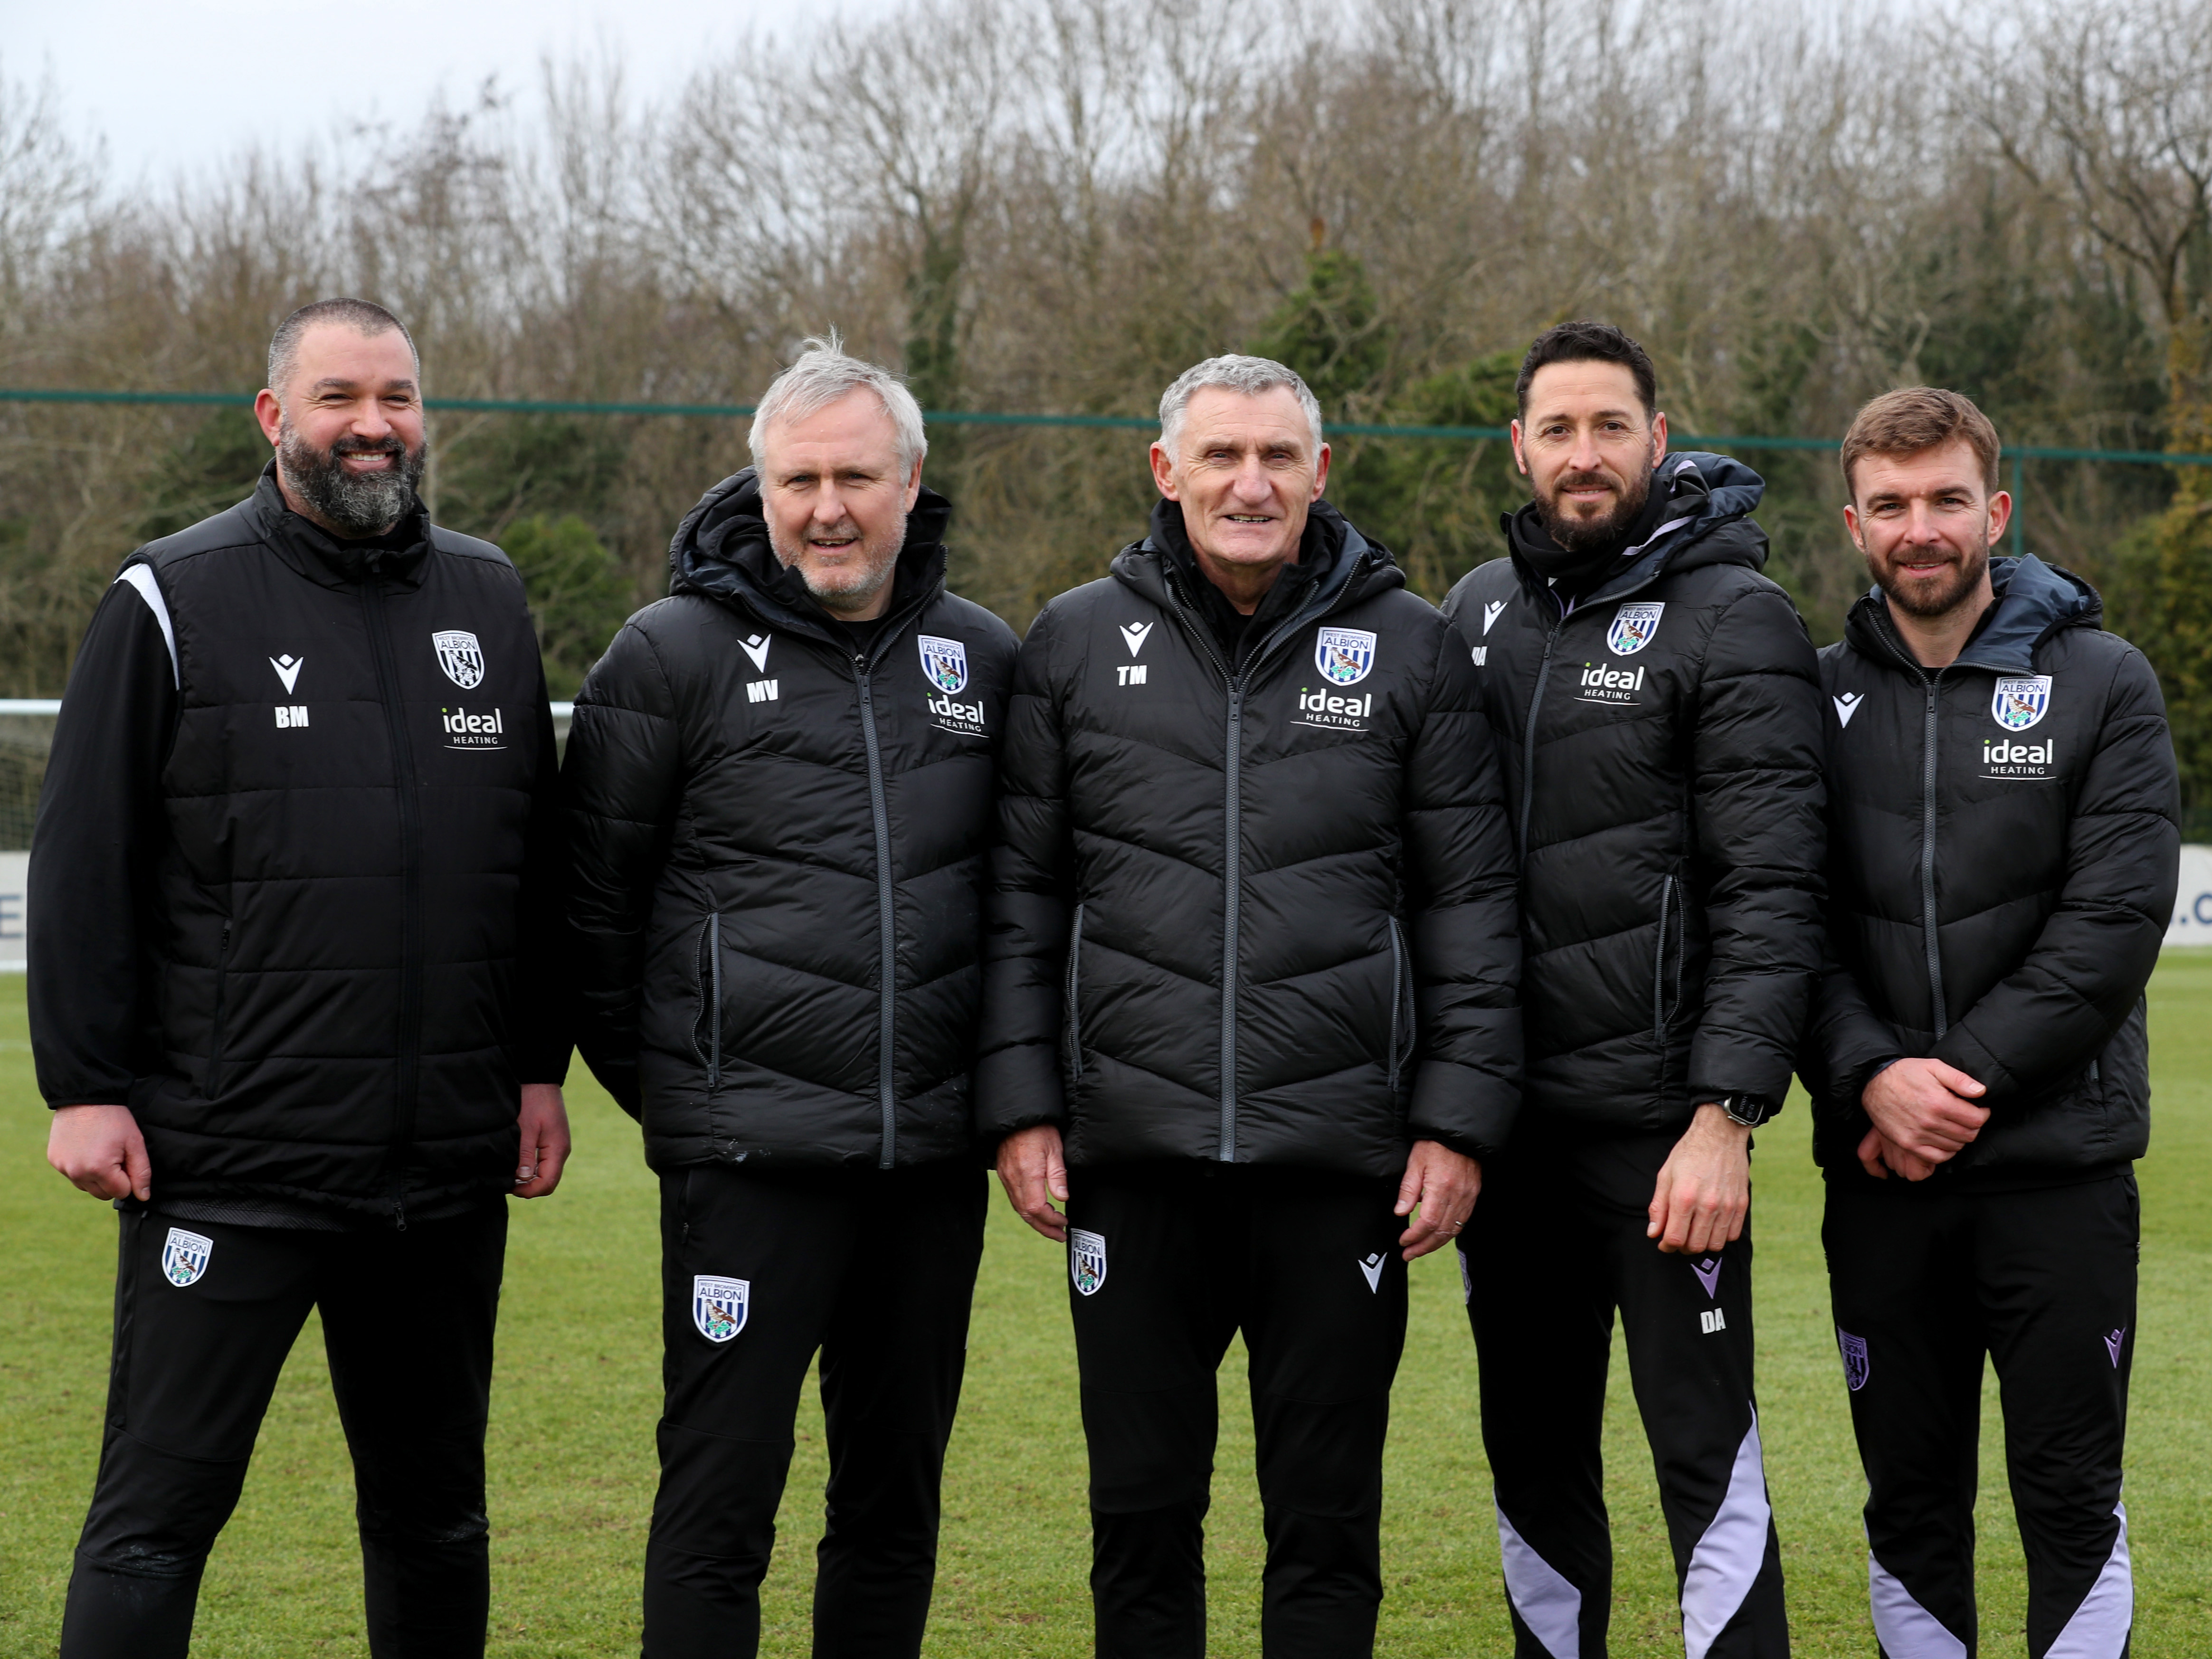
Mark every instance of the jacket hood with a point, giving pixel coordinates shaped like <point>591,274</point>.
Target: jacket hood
<point>2034,600</point>
<point>1345,566</point>
<point>721,550</point>
<point>1708,499</point>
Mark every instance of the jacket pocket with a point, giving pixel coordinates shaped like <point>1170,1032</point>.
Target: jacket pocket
<point>1071,999</point>
<point>1402,1012</point>
<point>1667,958</point>
<point>706,1030</point>
<point>211,1083</point>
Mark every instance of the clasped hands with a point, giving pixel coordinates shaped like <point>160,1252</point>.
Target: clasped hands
<point>1923,1114</point>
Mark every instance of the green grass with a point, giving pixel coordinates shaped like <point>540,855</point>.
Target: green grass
<point>578,1387</point>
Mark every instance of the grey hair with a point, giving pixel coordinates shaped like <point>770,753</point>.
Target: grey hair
<point>1249,376</point>
<point>364,317</point>
<point>823,374</point>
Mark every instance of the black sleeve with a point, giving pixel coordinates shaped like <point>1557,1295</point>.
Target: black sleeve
<point>618,789</point>
<point>1017,1077</point>
<point>541,1019</point>
<point>1465,901</point>
<point>1761,837</point>
<point>99,829</point>
<point>2052,1014</point>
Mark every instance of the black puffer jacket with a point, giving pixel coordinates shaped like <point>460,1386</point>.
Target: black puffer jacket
<point>777,849</point>
<point>2003,848</point>
<point>293,886</point>
<point>1662,742</point>
<point>1265,917</point>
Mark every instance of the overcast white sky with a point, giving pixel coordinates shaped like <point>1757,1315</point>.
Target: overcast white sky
<point>178,86</point>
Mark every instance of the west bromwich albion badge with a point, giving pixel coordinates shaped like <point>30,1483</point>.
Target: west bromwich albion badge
<point>1344,656</point>
<point>461,657</point>
<point>719,1305</point>
<point>1086,1260</point>
<point>1633,625</point>
<point>945,662</point>
<point>2018,702</point>
<point>184,1257</point>
<point>1857,1366</point>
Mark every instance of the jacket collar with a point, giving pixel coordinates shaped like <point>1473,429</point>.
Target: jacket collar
<point>2034,600</point>
<point>1336,567</point>
<point>397,556</point>
<point>721,550</point>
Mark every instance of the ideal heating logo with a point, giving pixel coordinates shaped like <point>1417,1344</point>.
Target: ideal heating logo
<point>2003,758</point>
<point>465,730</point>
<point>1602,685</point>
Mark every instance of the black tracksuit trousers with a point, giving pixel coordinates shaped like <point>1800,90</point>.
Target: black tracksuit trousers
<point>1167,1261</point>
<point>1926,1279</point>
<point>407,1324</point>
<point>1556,1243</point>
<point>876,1269</point>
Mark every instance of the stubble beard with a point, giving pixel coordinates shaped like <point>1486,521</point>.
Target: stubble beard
<point>1925,602</point>
<point>353,505</point>
<point>852,588</point>
<point>1573,534</point>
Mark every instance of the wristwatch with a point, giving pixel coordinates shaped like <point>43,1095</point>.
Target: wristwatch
<point>1750,1110</point>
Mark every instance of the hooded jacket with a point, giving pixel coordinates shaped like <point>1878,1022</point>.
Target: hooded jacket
<point>1660,740</point>
<point>2003,856</point>
<point>776,842</point>
<point>1251,907</point>
<point>294,883</point>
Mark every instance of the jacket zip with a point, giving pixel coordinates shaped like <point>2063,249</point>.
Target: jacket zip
<point>410,909</point>
<point>1397,998</point>
<point>213,1086</point>
<point>887,930</point>
<point>1930,941</point>
<point>1659,961</point>
<point>714,1003</point>
<point>1529,735</point>
<point>1074,1007</point>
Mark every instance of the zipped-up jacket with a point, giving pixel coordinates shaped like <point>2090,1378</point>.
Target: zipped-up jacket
<point>293,886</point>
<point>776,845</point>
<point>1662,745</point>
<point>1259,913</point>
<point>2002,853</point>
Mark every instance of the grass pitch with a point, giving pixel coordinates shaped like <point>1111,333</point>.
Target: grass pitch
<point>577,1393</point>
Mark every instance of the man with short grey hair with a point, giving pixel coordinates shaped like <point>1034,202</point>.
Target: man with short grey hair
<point>779,787</point>
<point>1250,1002</point>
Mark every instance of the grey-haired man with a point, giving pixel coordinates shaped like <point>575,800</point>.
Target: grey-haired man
<point>1251,1002</point>
<point>778,792</point>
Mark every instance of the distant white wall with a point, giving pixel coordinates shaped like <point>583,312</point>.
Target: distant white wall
<point>14,872</point>
<point>2192,900</point>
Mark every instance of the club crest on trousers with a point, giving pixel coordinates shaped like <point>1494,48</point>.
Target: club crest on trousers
<point>1087,1260</point>
<point>1857,1366</point>
<point>184,1257</point>
<point>719,1305</point>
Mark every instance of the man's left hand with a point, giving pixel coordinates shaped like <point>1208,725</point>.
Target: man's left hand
<point>544,1121</point>
<point>1705,1189</point>
<point>1444,1184</point>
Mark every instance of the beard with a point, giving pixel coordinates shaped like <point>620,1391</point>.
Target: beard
<point>1574,534</point>
<point>852,586</point>
<point>353,505</point>
<point>1930,598</point>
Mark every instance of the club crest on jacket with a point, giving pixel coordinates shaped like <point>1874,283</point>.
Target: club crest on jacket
<point>1344,656</point>
<point>461,657</point>
<point>1633,627</point>
<point>1086,1260</point>
<point>2020,701</point>
<point>719,1305</point>
<point>945,662</point>
<point>184,1257</point>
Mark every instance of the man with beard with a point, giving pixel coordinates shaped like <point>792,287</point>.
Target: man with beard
<point>2002,855</point>
<point>1660,725</point>
<point>292,907</point>
<point>778,790</point>
<point>1250,1004</point>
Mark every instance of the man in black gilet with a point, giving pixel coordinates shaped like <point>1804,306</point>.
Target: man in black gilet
<point>291,910</point>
